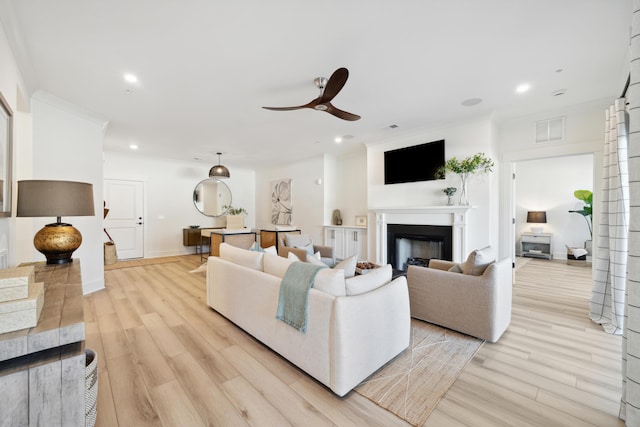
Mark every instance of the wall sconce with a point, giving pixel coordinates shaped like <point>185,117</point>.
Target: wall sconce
<point>39,198</point>
<point>536,217</point>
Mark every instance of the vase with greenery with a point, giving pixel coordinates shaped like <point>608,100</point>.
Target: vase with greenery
<point>235,216</point>
<point>478,163</point>
<point>450,191</point>
<point>586,197</point>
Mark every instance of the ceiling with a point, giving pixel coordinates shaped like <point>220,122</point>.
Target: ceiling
<point>205,68</point>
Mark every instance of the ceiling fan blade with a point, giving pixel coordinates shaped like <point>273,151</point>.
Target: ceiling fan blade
<point>341,114</point>
<point>308,105</point>
<point>334,85</point>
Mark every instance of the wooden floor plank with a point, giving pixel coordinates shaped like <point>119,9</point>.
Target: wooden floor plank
<point>207,395</point>
<point>158,344</point>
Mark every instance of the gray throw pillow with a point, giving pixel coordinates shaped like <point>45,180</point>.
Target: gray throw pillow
<point>478,261</point>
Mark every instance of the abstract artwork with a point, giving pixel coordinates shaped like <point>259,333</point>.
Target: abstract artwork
<point>281,211</point>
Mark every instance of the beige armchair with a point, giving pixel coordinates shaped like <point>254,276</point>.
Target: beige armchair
<point>298,244</point>
<point>474,305</point>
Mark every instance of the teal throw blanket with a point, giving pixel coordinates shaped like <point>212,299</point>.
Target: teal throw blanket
<point>294,294</point>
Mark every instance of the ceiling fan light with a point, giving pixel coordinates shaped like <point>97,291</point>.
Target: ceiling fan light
<point>219,171</point>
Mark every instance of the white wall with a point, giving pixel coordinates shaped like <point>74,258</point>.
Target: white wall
<point>12,88</point>
<point>584,134</point>
<point>308,197</point>
<point>548,185</point>
<point>67,145</point>
<point>351,188</point>
<point>168,186</point>
<point>461,140</point>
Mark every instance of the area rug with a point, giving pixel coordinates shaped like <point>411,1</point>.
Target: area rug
<point>412,384</point>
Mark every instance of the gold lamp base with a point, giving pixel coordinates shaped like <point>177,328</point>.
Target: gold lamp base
<point>57,242</point>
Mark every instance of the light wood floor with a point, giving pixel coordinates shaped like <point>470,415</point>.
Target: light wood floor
<point>166,359</point>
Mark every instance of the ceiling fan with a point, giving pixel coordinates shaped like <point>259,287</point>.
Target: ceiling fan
<point>329,88</point>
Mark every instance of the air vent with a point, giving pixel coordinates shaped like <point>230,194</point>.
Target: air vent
<point>550,130</point>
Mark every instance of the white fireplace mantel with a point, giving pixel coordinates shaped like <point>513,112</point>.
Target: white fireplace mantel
<point>454,216</point>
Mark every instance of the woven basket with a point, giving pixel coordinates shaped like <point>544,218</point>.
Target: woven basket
<point>110,254</point>
<point>91,389</point>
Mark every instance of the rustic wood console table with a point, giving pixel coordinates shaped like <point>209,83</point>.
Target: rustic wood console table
<point>42,369</point>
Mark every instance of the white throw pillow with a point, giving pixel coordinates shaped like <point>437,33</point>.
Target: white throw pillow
<point>315,259</point>
<point>276,265</point>
<point>271,250</point>
<point>241,256</point>
<point>348,265</point>
<point>369,281</point>
<point>330,281</point>
<point>478,261</point>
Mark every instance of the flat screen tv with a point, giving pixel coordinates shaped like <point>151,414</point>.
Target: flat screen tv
<point>415,163</point>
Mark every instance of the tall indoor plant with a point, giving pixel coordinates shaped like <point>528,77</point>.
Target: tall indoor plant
<point>586,197</point>
<point>478,163</point>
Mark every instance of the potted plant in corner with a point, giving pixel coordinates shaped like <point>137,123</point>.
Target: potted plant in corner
<point>235,216</point>
<point>478,163</point>
<point>586,197</point>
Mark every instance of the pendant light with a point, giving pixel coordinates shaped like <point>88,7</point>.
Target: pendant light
<point>219,171</point>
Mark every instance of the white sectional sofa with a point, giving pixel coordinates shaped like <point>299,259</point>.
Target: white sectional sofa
<point>349,334</point>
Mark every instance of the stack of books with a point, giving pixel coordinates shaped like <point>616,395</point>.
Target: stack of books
<point>21,299</point>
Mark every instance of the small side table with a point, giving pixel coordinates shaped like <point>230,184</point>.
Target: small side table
<point>536,245</point>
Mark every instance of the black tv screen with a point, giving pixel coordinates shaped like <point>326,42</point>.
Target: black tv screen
<point>415,163</point>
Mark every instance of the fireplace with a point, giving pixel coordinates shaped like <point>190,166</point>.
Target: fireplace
<point>415,244</point>
<point>452,243</point>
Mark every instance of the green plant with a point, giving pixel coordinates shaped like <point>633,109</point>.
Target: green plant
<point>234,211</point>
<point>450,191</point>
<point>472,164</point>
<point>586,197</point>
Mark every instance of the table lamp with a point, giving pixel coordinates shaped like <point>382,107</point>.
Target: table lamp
<point>38,198</point>
<point>536,217</point>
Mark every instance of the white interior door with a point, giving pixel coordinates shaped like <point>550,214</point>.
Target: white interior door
<point>125,223</point>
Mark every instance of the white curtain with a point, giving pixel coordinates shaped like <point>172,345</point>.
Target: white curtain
<point>606,305</point>
<point>630,403</point>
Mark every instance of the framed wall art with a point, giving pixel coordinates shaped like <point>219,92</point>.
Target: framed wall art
<point>6,150</point>
<point>361,220</point>
<point>281,206</point>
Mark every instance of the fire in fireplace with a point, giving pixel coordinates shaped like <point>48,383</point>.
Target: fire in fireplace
<point>417,244</point>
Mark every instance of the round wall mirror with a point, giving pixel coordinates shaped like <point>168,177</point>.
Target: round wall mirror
<point>210,195</point>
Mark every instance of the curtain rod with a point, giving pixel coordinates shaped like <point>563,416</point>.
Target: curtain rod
<point>626,86</point>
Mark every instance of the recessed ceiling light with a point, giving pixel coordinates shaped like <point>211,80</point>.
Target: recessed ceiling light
<point>133,146</point>
<point>131,78</point>
<point>523,88</point>
<point>471,102</point>
<point>338,139</point>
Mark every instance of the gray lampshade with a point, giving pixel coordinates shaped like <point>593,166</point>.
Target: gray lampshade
<point>537,217</point>
<point>54,198</point>
<point>219,171</point>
